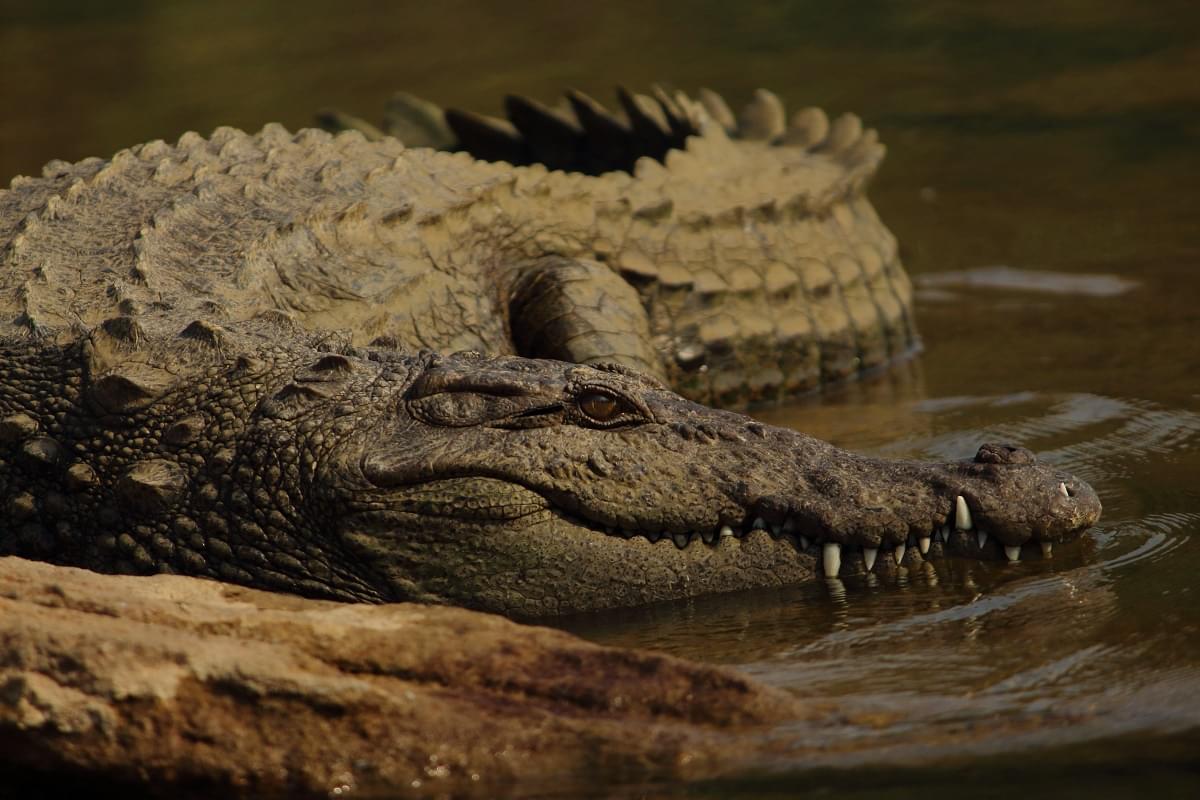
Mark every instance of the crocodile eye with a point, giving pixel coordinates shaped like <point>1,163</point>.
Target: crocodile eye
<point>601,407</point>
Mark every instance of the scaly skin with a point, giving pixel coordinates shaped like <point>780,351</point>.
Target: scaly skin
<point>259,453</point>
<point>738,260</point>
<point>211,364</point>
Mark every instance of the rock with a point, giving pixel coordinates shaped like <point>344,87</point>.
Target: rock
<point>181,686</point>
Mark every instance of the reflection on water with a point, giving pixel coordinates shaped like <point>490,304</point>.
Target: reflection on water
<point>1028,280</point>
<point>1056,137</point>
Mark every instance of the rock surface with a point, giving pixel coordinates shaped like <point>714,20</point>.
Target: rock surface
<point>181,686</point>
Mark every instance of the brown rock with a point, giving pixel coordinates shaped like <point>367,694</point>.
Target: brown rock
<point>185,686</point>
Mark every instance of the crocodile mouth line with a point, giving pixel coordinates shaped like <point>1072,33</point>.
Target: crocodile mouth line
<point>955,535</point>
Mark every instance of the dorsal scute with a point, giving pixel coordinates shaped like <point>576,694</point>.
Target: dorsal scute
<point>222,220</point>
<point>671,143</point>
<point>579,134</point>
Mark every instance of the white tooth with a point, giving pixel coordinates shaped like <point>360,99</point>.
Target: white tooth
<point>962,514</point>
<point>1047,549</point>
<point>923,543</point>
<point>944,531</point>
<point>831,554</point>
<point>869,554</point>
<point>1013,553</point>
<point>982,537</point>
<point>681,539</point>
<point>759,524</point>
<point>900,548</point>
<point>1062,489</point>
<point>803,542</point>
<point>726,530</point>
<point>709,536</point>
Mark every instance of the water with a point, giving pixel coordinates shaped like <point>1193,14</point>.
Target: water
<point>1042,181</point>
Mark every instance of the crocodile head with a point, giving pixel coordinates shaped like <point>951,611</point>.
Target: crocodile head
<point>538,487</point>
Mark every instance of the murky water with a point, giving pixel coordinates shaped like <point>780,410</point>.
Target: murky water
<point>1043,183</point>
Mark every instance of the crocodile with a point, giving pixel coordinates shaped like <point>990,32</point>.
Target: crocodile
<point>260,453</point>
<point>739,261</point>
<point>755,254</point>
<point>259,358</point>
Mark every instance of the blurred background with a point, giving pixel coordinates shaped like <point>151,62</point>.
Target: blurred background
<point>1042,180</point>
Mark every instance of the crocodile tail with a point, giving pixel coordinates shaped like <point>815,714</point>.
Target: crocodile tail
<point>579,134</point>
<point>855,148</point>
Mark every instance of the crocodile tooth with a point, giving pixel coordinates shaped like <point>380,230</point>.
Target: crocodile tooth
<point>776,529</point>
<point>1013,553</point>
<point>1047,549</point>
<point>1062,489</point>
<point>982,538</point>
<point>789,525</point>
<point>709,536</point>
<point>962,514</point>
<point>899,554</point>
<point>681,540</point>
<point>718,109</point>
<point>726,530</point>
<point>803,542</point>
<point>923,544</point>
<point>831,556</point>
<point>759,524</point>
<point>944,534</point>
<point>764,118</point>
<point>869,554</point>
<point>654,536</point>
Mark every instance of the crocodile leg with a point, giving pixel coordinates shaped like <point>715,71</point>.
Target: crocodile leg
<point>582,311</point>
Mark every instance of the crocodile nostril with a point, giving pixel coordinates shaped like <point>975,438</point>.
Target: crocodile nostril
<point>994,453</point>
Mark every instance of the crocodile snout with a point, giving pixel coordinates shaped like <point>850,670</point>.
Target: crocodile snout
<point>1008,495</point>
<point>992,453</point>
